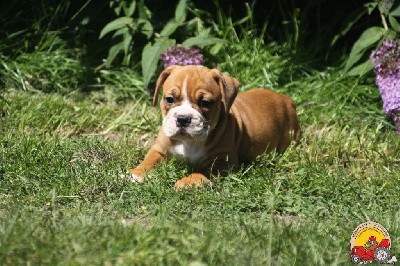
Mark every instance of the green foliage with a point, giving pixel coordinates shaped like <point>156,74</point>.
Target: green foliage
<point>151,56</point>
<point>373,36</point>
<point>126,27</point>
<point>133,22</point>
<point>53,70</point>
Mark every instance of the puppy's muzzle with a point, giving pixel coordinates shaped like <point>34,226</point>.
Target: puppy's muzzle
<point>184,122</point>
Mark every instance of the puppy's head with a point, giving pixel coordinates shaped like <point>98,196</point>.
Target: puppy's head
<point>194,97</point>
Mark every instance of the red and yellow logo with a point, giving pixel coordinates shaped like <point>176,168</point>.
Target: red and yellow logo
<point>369,242</point>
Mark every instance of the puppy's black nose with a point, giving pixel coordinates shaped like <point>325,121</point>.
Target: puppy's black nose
<point>183,120</point>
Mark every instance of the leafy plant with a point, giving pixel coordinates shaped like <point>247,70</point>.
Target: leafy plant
<point>125,26</point>
<point>135,18</point>
<point>357,64</point>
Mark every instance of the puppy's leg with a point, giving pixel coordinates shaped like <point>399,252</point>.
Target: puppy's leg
<point>193,180</point>
<point>151,159</point>
<point>218,167</point>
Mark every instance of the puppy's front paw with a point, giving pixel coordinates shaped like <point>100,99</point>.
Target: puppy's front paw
<point>194,180</point>
<point>135,177</point>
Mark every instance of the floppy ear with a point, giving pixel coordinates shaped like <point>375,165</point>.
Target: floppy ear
<point>229,87</point>
<point>160,81</point>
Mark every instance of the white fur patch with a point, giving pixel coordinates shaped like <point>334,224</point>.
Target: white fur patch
<point>192,151</point>
<point>186,101</point>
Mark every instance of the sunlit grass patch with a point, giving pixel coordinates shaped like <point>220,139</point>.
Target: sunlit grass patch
<point>65,199</point>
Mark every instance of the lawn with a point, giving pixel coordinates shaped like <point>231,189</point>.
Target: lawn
<point>64,153</point>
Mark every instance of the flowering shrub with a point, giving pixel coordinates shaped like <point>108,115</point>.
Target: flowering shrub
<point>386,62</point>
<point>180,55</point>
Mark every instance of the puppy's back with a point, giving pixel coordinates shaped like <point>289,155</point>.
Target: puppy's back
<point>269,121</point>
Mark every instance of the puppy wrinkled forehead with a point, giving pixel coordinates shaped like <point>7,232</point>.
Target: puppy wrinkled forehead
<point>195,77</point>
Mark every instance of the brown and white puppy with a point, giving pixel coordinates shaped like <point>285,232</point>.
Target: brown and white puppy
<point>206,123</point>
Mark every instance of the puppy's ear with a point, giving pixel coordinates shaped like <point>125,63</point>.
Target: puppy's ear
<point>229,87</point>
<point>160,81</point>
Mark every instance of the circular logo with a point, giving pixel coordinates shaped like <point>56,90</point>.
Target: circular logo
<point>362,233</point>
<point>370,241</point>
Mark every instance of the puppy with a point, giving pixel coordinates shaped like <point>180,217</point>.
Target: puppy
<point>205,122</point>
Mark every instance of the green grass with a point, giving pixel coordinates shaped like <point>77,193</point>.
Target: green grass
<point>64,201</point>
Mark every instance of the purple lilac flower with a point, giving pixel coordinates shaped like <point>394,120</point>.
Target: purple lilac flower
<point>180,55</point>
<point>386,62</point>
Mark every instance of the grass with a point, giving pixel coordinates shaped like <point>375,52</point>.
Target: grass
<point>63,155</point>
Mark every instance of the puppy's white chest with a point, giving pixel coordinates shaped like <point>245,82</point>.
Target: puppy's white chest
<point>193,152</point>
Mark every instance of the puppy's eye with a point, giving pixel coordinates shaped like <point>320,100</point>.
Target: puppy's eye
<point>205,103</point>
<point>169,100</point>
